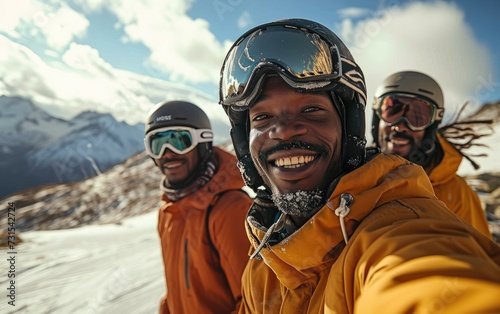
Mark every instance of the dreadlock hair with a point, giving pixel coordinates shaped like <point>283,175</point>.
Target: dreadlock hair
<point>463,135</point>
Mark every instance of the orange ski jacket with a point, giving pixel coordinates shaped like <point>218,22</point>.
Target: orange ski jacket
<point>455,192</point>
<point>405,253</point>
<point>203,275</point>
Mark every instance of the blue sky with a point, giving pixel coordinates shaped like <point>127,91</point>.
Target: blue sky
<point>122,56</point>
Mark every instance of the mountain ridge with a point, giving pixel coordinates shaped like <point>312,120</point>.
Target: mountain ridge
<point>37,148</point>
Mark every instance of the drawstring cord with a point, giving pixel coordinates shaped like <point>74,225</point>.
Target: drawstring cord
<point>275,226</point>
<point>342,211</point>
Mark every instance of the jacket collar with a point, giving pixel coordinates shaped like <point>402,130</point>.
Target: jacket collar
<point>317,244</point>
<point>449,164</point>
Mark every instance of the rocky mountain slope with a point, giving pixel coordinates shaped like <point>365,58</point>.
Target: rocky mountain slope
<point>128,189</point>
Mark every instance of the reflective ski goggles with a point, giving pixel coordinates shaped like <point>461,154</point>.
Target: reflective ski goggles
<point>180,140</point>
<point>304,60</point>
<point>417,112</point>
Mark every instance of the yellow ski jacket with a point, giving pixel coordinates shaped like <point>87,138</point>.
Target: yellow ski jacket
<point>405,253</point>
<point>454,191</point>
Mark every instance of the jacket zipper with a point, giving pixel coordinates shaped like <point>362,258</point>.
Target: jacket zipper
<point>186,263</point>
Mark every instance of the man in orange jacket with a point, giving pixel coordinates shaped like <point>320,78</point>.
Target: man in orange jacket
<point>336,227</point>
<point>203,210</point>
<point>407,110</point>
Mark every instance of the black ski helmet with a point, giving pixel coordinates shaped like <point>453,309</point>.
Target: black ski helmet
<point>176,113</point>
<point>181,113</point>
<point>340,76</point>
<point>425,87</point>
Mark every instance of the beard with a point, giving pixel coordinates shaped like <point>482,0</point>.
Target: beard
<point>302,204</point>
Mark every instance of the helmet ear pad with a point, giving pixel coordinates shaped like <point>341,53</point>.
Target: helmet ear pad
<point>204,152</point>
<point>430,151</point>
<point>375,126</point>
<point>240,130</point>
<point>351,109</point>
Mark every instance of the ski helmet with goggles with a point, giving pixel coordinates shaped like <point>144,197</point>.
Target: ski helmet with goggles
<point>310,58</point>
<point>181,127</point>
<point>416,99</point>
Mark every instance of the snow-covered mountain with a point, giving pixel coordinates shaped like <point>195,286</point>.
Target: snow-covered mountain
<point>36,148</point>
<point>22,125</point>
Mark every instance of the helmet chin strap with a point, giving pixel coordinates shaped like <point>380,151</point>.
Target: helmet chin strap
<point>423,155</point>
<point>429,153</point>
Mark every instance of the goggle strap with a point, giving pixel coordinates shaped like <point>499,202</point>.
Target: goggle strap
<point>204,135</point>
<point>439,114</point>
<point>352,77</point>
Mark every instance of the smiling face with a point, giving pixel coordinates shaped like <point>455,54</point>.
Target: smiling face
<point>398,139</point>
<point>177,168</point>
<point>295,138</point>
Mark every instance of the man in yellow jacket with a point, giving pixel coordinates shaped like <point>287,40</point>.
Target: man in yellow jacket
<point>407,109</point>
<point>337,228</point>
<point>200,221</point>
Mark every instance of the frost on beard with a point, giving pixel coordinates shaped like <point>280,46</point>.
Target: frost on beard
<point>299,203</point>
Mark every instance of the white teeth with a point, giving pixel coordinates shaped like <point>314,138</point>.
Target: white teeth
<point>173,164</point>
<point>294,162</point>
<point>400,141</point>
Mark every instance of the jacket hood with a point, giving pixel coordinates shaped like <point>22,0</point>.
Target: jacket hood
<point>444,171</point>
<point>317,244</point>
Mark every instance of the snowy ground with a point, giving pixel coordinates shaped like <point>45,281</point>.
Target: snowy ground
<point>92,269</point>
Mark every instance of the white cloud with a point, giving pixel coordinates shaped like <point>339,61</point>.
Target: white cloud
<point>431,37</point>
<point>20,13</point>
<point>55,24</point>
<point>347,30</point>
<point>86,82</point>
<point>21,70</point>
<point>87,59</point>
<point>353,12</point>
<point>90,5</point>
<point>182,47</point>
<point>63,26</point>
<point>244,20</point>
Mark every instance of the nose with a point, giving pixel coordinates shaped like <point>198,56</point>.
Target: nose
<point>168,154</point>
<point>287,127</point>
<point>400,126</point>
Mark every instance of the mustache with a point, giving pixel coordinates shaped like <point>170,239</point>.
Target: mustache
<point>263,156</point>
<point>399,135</point>
<point>166,160</point>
